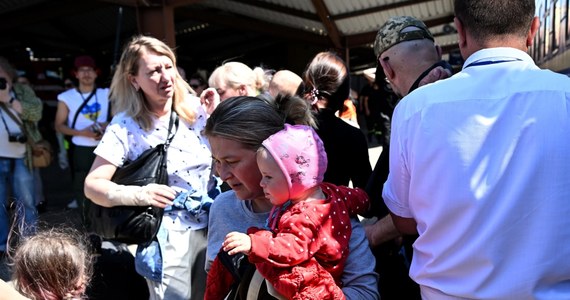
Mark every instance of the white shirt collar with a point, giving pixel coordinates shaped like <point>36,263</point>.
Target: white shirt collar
<point>499,53</point>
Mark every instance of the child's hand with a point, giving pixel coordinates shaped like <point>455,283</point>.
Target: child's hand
<point>237,242</point>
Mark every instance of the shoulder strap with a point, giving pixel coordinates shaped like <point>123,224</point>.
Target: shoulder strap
<point>82,106</point>
<point>17,120</point>
<point>109,117</point>
<point>173,121</point>
<point>11,115</point>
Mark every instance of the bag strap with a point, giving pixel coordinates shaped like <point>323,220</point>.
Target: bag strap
<point>82,105</point>
<point>109,117</point>
<point>11,115</point>
<point>18,121</point>
<point>173,121</point>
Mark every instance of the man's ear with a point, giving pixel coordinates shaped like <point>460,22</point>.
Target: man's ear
<point>462,40</point>
<point>534,26</point>
<point>438,51</point>
<point>388,71</point>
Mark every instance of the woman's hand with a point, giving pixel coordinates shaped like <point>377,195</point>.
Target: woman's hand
<point>210,100</point>
<point>158,195</point>
<point>100,189</point>
<point>237,242</point>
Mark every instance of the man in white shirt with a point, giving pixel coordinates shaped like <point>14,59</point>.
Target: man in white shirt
<point>82,113</point>
<point>479,166</point>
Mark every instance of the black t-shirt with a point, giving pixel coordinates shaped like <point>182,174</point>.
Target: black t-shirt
<point>347,150</point>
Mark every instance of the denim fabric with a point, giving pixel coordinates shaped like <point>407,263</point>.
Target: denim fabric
<point>191,201</point>
<point>148,260</point>
<point>14,173</point>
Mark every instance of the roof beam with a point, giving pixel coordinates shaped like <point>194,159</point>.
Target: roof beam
<point>325,16</point>
<point>376,9</point>
<point>362,39</point>
<point>233,21</point>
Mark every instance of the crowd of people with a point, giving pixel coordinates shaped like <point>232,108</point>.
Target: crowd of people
<point>267,183</point>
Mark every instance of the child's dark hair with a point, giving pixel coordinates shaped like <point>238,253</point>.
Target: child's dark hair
<point>53,264</point>
<point>295,110</point>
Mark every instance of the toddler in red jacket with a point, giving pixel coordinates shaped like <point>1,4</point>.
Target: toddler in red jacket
<point>305,245</point>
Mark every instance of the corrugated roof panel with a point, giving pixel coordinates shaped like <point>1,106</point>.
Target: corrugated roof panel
<point>266,15</point>
<point>302,5</point>
<point>373,21</point>
<point>339,6</point>
<point>446,40</point>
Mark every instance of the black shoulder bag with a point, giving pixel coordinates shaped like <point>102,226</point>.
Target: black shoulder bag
<point>135,224</point>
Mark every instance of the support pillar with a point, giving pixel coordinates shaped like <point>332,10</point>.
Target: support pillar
<point>157,21</point>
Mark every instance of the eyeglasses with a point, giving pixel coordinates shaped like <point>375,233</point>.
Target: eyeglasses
<point>85,70</point>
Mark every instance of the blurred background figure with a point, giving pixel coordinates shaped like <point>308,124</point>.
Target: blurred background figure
<point>198,83</point>
<point>232,79</point>
<point>68,83</point>
<point>38,184</point>
<point>20,110</point>
<point>348,112</point>
<point>182,73</point>
<point>63,144</point>
<point>284,82</point>
<point>375,102</point>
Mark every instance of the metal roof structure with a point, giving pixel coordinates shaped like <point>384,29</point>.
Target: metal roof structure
<point>208,32</point>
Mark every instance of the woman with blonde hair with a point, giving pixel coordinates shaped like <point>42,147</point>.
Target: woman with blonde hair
<point>233,79</point>
<point>145,90</point>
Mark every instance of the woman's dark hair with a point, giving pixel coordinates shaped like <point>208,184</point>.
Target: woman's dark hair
<point>250,120</point>
<point>326,77</point>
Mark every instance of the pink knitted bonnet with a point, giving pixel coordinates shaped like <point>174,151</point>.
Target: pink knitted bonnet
<point>300,154</point>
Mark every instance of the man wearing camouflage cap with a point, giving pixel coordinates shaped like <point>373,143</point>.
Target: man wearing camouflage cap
<point>406,51</point>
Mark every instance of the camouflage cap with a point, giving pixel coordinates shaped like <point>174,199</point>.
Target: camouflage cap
<point>391,33</point>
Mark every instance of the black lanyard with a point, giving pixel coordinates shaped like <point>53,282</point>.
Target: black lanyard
<point>490,62</point>
<point>442,63</point>
<point>94,92</point>
<point>85,100</point>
